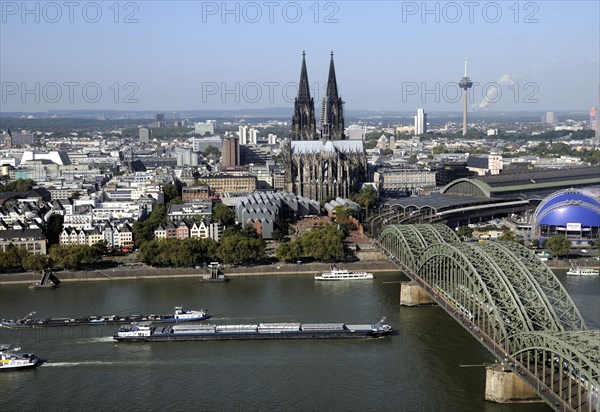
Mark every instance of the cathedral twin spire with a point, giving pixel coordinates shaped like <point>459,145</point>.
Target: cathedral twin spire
<point>332,109</point>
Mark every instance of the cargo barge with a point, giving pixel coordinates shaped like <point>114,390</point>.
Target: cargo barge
<point>179,315</point>
<point>146,332</point>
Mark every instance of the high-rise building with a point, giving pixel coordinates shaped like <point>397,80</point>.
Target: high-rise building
<point>159,120</point>
<point>272,139</point>
<point>332,109</point>
<point>230,150</point>
<point>303,120</point>
<point>243,135</point>
<point>253,137</point>
<point>202,128</point>
<point>465,84</point>
<point>186,157</point>
<point>145,133</point>
<point>593,115</point>
<point>549,118</point>
<point>420,122</point>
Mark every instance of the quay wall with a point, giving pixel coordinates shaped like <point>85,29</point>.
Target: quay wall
<point>141,271</point>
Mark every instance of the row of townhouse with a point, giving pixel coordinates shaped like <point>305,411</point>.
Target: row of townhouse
<point>116,236</point>
<point>183,230</point>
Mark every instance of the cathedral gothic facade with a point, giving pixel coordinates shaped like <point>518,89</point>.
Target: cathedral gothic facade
<point>322,163</point>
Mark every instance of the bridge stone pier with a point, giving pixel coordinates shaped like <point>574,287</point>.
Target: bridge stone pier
<point>505,386</point>
<point>412,294</point>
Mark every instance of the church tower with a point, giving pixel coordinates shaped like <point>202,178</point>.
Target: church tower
<point>8,139</point>
<point>303,120</point>
<point>332,110</point>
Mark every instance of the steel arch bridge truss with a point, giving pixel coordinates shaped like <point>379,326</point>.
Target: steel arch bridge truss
<point>497,290</point>
<point>567,364</point>
<point>500,286</point>
<point>509,299</point>
<point>406,242</point>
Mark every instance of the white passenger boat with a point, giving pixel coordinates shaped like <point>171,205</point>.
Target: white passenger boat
<point>343,274</point>
<point>11,359</point>
<point>577,271</point>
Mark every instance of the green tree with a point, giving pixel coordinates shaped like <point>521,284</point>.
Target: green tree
<point>211,150</point>
<point>12,258</point>
<point>73,256</point>
<point>439,149</point>
<point>370,144</point>
<point>507,236</point>
<point>143,230</point>
<point>281,229</point>
<point>283,252</point>
<point>223,214</point>
<point>172,191</point>
<point>149,251</point>
<point>535,243</point>
<point>53,229</point>
<point>558,245</point>
<point>19,185</point>
<point>241,249</point>
<point>366,198</point>
<point>342,216</point>
<point>325,244</point>
<point>35,262</point>
<point>464,232</point>
<point>249,231</point>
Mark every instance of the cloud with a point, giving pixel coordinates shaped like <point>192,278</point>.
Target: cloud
<point>493,91</point>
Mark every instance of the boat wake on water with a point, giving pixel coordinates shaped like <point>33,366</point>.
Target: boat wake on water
<point>98,339</point>
<point>50,364</point>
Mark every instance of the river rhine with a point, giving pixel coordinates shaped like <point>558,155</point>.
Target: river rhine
<point>418,369</point>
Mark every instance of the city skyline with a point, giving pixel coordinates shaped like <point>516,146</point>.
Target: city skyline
<point>396,56</point>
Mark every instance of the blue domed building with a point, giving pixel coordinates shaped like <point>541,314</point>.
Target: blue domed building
<point>574,213</point>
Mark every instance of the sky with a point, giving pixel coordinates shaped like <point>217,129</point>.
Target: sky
<point>207,55</point>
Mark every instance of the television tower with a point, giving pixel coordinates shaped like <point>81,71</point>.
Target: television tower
<point>465,84</point>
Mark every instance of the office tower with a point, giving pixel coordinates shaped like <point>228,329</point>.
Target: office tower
<point>145,133</point>
<point>272,139</point>
<point>549,118</point>
<point>420,122</point>
<point>253,137</point>
<point>243,135</point>
<point>159,120</point>
<point>230,150</point>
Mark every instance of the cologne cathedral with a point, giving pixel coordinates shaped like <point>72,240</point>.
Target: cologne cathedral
<point>322,163</point>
